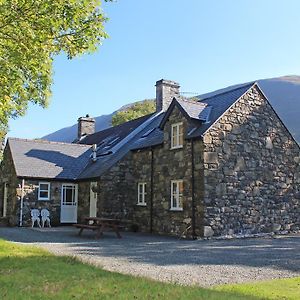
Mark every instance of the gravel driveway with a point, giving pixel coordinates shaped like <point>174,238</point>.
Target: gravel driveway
<point>203,263</point>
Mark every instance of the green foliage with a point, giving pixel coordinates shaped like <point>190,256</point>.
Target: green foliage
<point>135,111</point>
<point>32,32</point>
<point>3,132</point>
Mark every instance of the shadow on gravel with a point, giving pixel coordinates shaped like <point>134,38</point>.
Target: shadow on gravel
<point>281,253</point>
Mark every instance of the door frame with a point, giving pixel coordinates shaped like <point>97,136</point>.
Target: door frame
<point>4,208</point>
<point>75,201</point>
<point>93,197</point>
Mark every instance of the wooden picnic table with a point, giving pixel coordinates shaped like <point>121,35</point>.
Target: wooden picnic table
<point>100,225</point>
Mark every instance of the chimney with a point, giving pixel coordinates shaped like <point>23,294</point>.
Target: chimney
<point>166,90</point>
<point>86,125</point>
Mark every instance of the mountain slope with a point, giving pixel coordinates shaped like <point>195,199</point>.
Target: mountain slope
<point>69,134</point>
<point>282,92</point>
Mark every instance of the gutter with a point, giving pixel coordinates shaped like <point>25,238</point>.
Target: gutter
<point>21,204</point>
<point>193,193</point>
<point>151,192</point>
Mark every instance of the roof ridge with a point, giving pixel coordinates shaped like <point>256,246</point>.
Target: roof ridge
<point>41,141</point>
<point>229,91</point>
<point>120,125</point>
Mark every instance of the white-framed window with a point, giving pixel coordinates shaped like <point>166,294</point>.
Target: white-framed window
<point>176,194</point>
<point>142,192</point>
<point>44,191</point>
<point>177,135</point>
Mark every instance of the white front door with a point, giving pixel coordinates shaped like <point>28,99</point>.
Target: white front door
<point>69,197</point>
<point>4,200</point>
<point>93,200</point>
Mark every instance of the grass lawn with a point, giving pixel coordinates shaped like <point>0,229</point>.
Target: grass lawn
<point>31,273</point>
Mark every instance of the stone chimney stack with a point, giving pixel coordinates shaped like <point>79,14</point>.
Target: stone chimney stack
<point>166,90</point>
<point>86,125</point>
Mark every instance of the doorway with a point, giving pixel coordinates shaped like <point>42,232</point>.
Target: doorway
<point>69,203</point>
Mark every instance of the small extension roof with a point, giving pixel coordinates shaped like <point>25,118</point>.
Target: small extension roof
<point>48,160</point>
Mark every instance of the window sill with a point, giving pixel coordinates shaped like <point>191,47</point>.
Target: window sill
<point>141,204</point>
<point>176,209</point>
<point>43,199</point>
<point>176,147</point>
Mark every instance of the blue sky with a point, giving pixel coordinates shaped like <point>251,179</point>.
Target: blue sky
<point>204,45</point>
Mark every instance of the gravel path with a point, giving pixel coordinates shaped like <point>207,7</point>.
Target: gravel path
<point>203,263</point>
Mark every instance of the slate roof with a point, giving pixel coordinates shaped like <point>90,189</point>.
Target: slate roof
<point>107,135</point>
<point>219,104</point>
<point>206,111</point>
<point>43,159</point>
<point>108,155</point>
<point>195,110</point>
<point>48,160</point>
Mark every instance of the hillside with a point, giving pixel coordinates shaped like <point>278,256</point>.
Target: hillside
<point>283,93</point>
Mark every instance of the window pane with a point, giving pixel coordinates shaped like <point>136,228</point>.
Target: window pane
<point>180,202</point>
<point>174,130</point>
<point>180,135</point>
<point>44,186</point>
<point>174,201</point>
<point>174,136</point>
<point>43,194</point>
<point>180,187</point>
<point>174,188</point>
<point>180,128</point>
<point>69,196</point>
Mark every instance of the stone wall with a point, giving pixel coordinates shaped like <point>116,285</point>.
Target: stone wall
<point>30,201</point>
<point>118,187</point>
<point>54,204</point>
<point>252,172</point>
<point>83,200</point>
<point>8,174</point>
<point>116,190</point>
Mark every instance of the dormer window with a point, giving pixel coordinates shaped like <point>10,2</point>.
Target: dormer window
<point>177,136</point>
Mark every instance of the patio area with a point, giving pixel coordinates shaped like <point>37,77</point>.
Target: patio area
<point>204,263</point>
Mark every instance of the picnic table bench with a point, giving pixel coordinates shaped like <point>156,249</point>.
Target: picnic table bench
<point>100,225</point>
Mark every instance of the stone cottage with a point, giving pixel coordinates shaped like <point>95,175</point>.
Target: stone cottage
<point>219,165</point>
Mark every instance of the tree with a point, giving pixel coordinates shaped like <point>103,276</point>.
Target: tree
<point>137,110</point>
<point>32,32</point>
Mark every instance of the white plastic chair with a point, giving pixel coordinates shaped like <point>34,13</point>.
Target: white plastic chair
<point>45,217</point>
<point>35,216</point>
